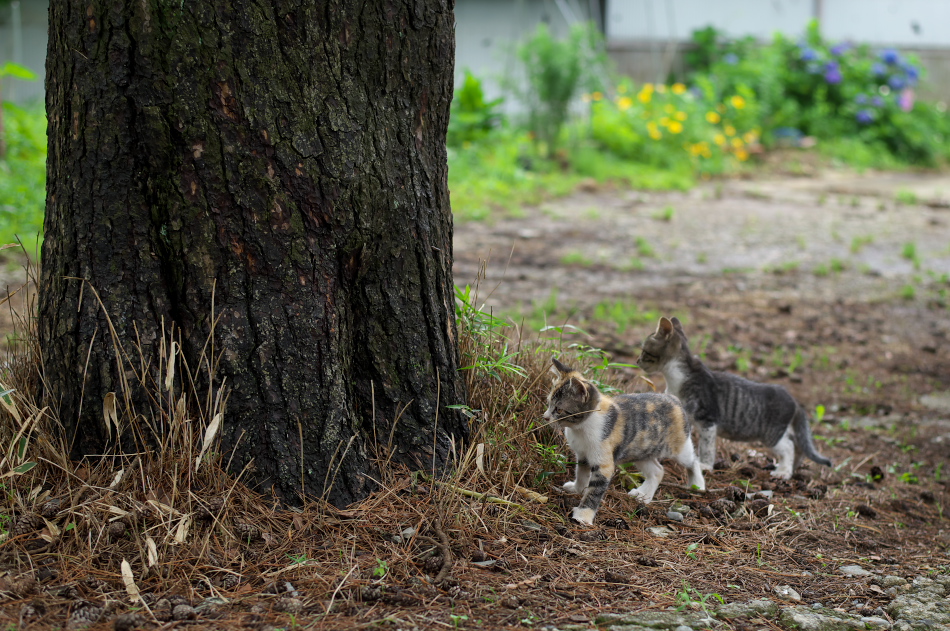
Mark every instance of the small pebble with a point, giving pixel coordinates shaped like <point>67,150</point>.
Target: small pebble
<point>675,516</point>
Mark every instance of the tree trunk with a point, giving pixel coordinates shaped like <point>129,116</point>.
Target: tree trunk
<point>280,167</point>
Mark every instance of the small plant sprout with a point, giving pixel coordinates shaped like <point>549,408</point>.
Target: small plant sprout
<point>691,550</point>
<point>644,249</point>
<point>905,196</point>
<point>664,215</point>
<point>819,413</point>
<point>381,569</point>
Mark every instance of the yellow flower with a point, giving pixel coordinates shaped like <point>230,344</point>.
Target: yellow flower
<point>669,108</point>
<point>737,143</point>
<point>661,88</point>
<point>706,152</point>
<point>680,116</point>
<point>737,102</point>
<point>655,134</point>
<point>624,103</point>
<point>645,94</point>
<point>713,117</point>
<point>719,139</point>
<point>675,127</point>
<point>665,121</point>
<point>742,155</point>
<point>678,88</point>
<point>750,137</point>
<point>597,96</point>
<point>730,130</point>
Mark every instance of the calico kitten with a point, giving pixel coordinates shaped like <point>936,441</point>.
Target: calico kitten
<point>728,405</point>
<point>608,431</point>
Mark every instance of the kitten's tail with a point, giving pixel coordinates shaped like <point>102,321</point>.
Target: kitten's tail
<point>804,439</point>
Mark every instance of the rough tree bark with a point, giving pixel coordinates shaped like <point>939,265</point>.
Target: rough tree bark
<point>284,161</point>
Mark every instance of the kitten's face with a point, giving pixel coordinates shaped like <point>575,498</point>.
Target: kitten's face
<point>572,397</point>
<point>662,346</point>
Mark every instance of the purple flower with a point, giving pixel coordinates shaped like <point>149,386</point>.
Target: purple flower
<point>861,99</point>
<point>911,71</point>
<point>879,70</point>
<point>897,82</point>
<point>731,58</point>
<point>890,56</point>
<point>832,72</point>
<point>839,49</point>
<point>906,100</point>
<point>808,54</point>
<point>877,101</point>
<point>865,116</point>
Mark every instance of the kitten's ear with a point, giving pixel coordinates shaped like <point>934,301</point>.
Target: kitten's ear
<point>581,388</point>
<point>561,367</point>
<point>665,327</point>
<point>677,324</point>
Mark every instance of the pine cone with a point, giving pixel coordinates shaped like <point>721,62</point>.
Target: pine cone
<point>84,616</point>
<point>246,531</point>
<point>116,530</point>
<point>50,509</point>
<point>27,523</point>
<point>128,622</point>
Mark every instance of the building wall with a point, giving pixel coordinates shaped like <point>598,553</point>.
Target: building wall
<point>647,38</point>
<point>26,47</point>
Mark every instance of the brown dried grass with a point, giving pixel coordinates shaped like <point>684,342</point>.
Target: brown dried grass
<point>423,548</point>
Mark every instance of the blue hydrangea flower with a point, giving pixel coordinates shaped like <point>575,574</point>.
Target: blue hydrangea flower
<point>865,116</point>
<point>877,101</point>
<point>879,70</point>
<point>890,56</point>
<point>911,71</point>
<point>808,54</point>
<point>861,99</point>
<point>839,49</point>
<point>731,58</point>
<point>832,72</point>
<point>897,82</point>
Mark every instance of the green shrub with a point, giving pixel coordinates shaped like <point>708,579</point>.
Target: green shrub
<point>840,91</point>
<point>472,117</point>
<point>23,175</point>
<point>555,73</point>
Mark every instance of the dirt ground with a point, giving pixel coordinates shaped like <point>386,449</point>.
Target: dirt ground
<point>825,284</point>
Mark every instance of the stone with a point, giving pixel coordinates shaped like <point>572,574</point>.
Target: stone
<point>874,622</point>
<point>787,592</point>
<point>751,609</point>
<point>655,620</point>
<point>853,570</point>
<point>807,619</point>
<point>674,515</point>
<point>892,581</point>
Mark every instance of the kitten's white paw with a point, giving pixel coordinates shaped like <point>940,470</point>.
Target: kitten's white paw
<point>570,487</point>
<point>640,496</point>
<point>781,474</point>
<point>584,515</point>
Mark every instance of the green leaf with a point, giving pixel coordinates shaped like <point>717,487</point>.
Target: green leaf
<point>23,468</point>
<point>17,71</point>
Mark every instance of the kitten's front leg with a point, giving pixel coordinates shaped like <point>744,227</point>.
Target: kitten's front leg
<point>594,494</point>
<point>707,446</point>
<point>581,478</point>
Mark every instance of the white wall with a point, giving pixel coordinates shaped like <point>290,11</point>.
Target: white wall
<point>665,19</point>
<point>906,23</point>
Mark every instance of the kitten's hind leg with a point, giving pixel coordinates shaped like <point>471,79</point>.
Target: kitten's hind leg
<point>694,470</point>
<point>707,446</point>
<point>652,472</point>
<point>784,451</point>
<point>581,478</point>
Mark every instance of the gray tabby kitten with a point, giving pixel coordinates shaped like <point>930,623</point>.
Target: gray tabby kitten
<point>608,431</point>
<point>728,405</point>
